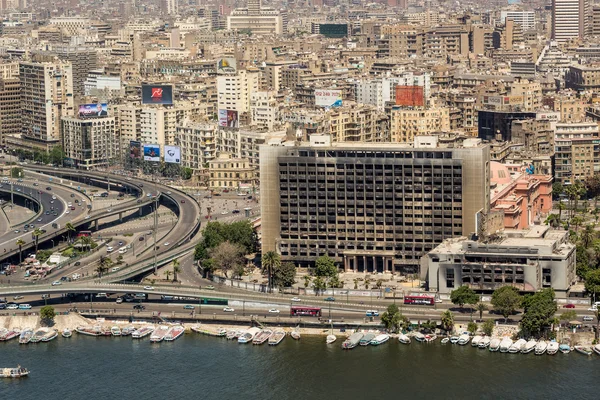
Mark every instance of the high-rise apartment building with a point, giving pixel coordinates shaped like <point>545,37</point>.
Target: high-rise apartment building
<point>83,60</point>
<point>46,97</point>
<point>10,101</point>
<point>235,91</point>
<point>571,19</point>
<point>576,151</point>
<point>371,207</point>
<point>257,19</point>
<point>406,123</point>
<point>525,18</point>
<point>89,143</point>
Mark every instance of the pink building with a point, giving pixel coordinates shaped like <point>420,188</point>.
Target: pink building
<point>524,198</point>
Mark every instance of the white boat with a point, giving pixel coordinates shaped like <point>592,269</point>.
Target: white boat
<point>159,334</point>
<point>430,338</point>
<point>596,349</point>
<point>330,339</point>
<point>262,337</point>
<point>419,337</point>
<point>505,345</point>
<point>484,342</point>
<point>174,333</point>
<point>552,347</point>
<point>50,335</point>
<point>8,334</point>
<point>38,335</point>
<point>445,340</point>
<point>127,330</point>
<point>66,333</point>
<point>142,332</point>
<point>402,338</point>
<point>585,350</point>
<point>366,339</point>
<point>463,339</point>
<point>475,341</point>
<point>277,336</point>
<point>89,331</point>
<point>566,349</point>
<point>115,331</point>
<point>541,347</point>
<point>248,335</point>
<point>517,346</point>
<point>295,335</point>
<point>18,372</point>
<point>495,344</point>
<point>352,341</point>
<point>454,339</point>
<point>529,346</point>
<point>232,334</point>
<point>380,339</point>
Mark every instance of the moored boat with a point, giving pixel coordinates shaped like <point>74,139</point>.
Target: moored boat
<point>159,334</point>
<point>232,334</point>
<point>89,331</point>
<point>18,372</point>
<point>295,335</point>
<point>38,335</point>
<point>585,350</point>
<point>25,336</point>
<point>463,339</point>
<point>505,345</point>
<point>484,342</point>
<point>552,347</point>
<point>66,333</point>
<point>330,339</point>
<point>541,347</point>
<point>430,338</point>
<point>352,341</point>
<point>445,340</point>
<point>174,333</point>
<point>127,330</point>
<point>248,335</point>
<point>50,335</point>
<point>517,346</point>
<point>529,346</point>
<point>277,336</point>
<point>115,331</point>
<point>402,338</point>
<point>475,341</point>
<point>565,348</point>
<point>596,349</point>
<point>366,339</point>
<point>454,339</point>
<point>142,332</point>
<point>262,337</point>
<point>8,334</point>
<point>419,337</point>
<point>380,339</point>
<point>495,344</point>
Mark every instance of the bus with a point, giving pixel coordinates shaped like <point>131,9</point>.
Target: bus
<point>419,300</point>
<point>84,233</point>
<point>309,311</point>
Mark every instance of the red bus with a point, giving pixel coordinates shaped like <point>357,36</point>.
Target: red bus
<point>310,311</point>
<point>84,233</point>
<point>419,300</point>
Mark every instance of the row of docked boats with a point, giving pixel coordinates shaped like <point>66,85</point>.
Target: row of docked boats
<point>365,339</point>
<point>167,333</point>
<point>252,335</point>
<point>29,335</point>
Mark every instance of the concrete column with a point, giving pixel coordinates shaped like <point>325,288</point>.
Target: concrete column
<point>354,264</point>
<point>364,264</point>
<point>393,266</point>
<point>346,261</point>
<point>374,264</point>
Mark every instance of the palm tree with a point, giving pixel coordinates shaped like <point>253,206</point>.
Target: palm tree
<point>356,280</point>
<point>574,192</point>
<point>176,269</point>
<point>168,273</point>
<point>103,266</point>
<point>70,228</point>
<point>20,243</point>
<point>481,308</point>
<point>307,280</point>
<point>587,236</point>
<point>576,221</point>
<point>447,320</point>
<point>270,261</point>
<point>86,241</point>
<point>37,233</point>
<point>553,220</point>
<point>561,206</point>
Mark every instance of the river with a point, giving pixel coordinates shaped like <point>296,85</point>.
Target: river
<point>202,367</point>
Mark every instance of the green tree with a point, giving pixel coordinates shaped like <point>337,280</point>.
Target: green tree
<point>16,172</point>
<point>588,235</point>
<point>539,312</point>
<point>284,275</point>
<point>574,192</point>
<point>592,283</point>
<point>488,327</point>
<point>168,273</point>
<point>355,280</point>
<point>47,314</point>
<point>103,265</point>
<point>334,282</point>
<point>448,320</point>
<point>307,280</point>
<point>481,308</point>
<point>557,190</point>
<point>319,285</point>
<point>463,295</point>
<point>228,257</point>
<point>56,155</point>
<point>36,234</point>
<point>186,173</point>
<point>392,318</point>
<point>506,300</point>
<point>561,207</point>
<point>20,242</point>
<point>86,242</point>
<point>325,267</point>
<point>472,327</point>
<point>70,228</point>
<point>270,261</point>
<point>582,261</point>
<point>553,220</point>
<point>576,221</point>
<point>176,269</point>
<point>592,184</point>
<point>568,316</point>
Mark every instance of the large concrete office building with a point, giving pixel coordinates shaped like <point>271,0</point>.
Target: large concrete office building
<point>89,143</point>
<point>372,207</point>
<point>529,260</point>
<point>571,19</point>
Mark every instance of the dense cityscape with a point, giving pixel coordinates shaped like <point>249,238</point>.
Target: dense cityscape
<point>422,172</point>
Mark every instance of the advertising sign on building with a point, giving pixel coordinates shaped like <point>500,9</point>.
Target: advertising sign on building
<point>93,110</point>
<point>413,96</point>
<point>494,100</point>
<point>157,94</point>
<point>328,98</point>
<point>226,65</point>
<point>151,152</point>
<point>228,119</point>
<point>135,149</point>
<point>173,154</point>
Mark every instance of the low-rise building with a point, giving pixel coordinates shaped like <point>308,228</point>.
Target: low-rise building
<point>230,173</point>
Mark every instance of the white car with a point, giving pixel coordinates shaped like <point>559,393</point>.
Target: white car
<point>12,307</point>
<point>56,283</point>
<point>228,309</point>
<point>224,212</point>
<point>592,309</point>
<point>109,210</point>
<point>87,217</point>
<point>67,212</point>
<point>296,299</point>
<point>166,244</point>
<point>148,287</point>
<point>109,249</point>
<point>587,318</point>
<point>274,311</point>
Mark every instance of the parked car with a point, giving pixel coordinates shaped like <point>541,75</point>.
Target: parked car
<point>12,306</point>
<point>330,298</point>
<point>139,307</point>
<point>24,307</point>
<point>119,300</point>
<point>569,306</point>
<point>588,318</point>
<point>56,283</point>
<point>210,287</point>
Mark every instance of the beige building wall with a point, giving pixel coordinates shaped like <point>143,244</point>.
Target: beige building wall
<point>408,123</point>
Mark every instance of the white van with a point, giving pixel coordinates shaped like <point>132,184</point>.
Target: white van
<point>109,249</point>
<point>123,250</point>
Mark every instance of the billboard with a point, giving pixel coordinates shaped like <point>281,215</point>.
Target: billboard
<point>152,152</point>
<point>412,96</point>
<point>173,154</point>
<point>93,110</point>
<point>157,94</point>
<point>229,119</point>
<point>328,98</point>
<point>135,149</point>
<point>227,65</point>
